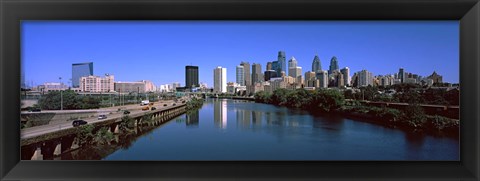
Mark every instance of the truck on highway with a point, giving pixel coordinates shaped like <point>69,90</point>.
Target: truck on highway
<point>145,102</point>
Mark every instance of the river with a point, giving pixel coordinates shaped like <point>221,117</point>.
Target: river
<point>241,130</point>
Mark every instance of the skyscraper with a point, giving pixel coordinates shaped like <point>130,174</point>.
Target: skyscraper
<point>191,76</point>
<point>81,70</point>
<point>240,76</point>
<point>365,78</point>
<point>270,74</point>
<point>333,65</point>
<point>346,76</point>
<point>276,67</point>
<point>269,65</point>
<point>281,62</point>
<point>316,64</point>
<point>401,75</point>
<point>257,75</point>
<point>220,80</point>
<point>292,66</point>
<point>246,69</point>
<point>322,76</point>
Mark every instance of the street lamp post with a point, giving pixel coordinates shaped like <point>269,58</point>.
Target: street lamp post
<point>61,94</point>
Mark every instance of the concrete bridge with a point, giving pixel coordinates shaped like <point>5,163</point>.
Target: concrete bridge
<point>53,142</point>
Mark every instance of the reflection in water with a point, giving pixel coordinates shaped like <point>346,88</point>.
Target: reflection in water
<point>192,118</point>
<point>220,113</point>
<point>243,118</point>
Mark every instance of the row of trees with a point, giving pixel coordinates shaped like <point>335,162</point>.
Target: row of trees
<point>328,100</point>
<point>71,100</point>
<point>406,93</point>
<point>322,99</point>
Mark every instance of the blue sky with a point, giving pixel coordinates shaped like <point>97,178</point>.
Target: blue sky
<point>160,50</point>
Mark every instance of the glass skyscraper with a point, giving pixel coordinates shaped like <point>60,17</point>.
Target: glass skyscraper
<point>81,70</point>
<point>282,63</point>
<point>240,75</point>
<point>316,65</point>
<point>191,76</point>
<point>333,65</point>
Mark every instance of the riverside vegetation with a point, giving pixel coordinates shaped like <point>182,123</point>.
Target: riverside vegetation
<point>412,118</point>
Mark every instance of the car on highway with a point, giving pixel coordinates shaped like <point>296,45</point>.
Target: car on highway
<point>78,123</point>
<point>153,108</point>
<point>165,105</point>
<point>145,108</point>
<point>126,112</point>
<point>36,110</point>
<point>103,116</point>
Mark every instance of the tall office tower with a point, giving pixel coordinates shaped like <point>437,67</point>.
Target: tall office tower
<point>333,65</point>
<point>276,67</point>
<point>365,78</point>
<point>338,80</point>
<point>346,76</point>
<point>191,76</point>
<point>401,75</point>
<point>257,75</point>
<point>220,80</point>
<point>298,75</point>
<point>322,76</point>
<point>240,75</point>
<point>292,66</point>
<point>316,65</point>
<point>269,65</point>
<point>246,69</point>
<point>81,70</point>
<point>270,74</point>
<point>282,62</point>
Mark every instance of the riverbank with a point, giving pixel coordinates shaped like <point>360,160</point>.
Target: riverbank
<point>412,119</point>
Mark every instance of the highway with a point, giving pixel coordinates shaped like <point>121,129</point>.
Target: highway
<point>115,114</point>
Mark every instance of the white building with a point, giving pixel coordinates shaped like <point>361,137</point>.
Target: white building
<point>97,84</point>
<point>52,86</point>
<point>365,78</point>
<point>220,80</point>
<point>149,86</point>
<point>346,76</point>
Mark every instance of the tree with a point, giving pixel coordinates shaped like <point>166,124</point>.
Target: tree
<point>328,100</point>
<point>71,100</point>
<point>279,97</point>
<point>262,97</point>
<point>103,136</point>
<point>414,115</point>
<point>85,133</point>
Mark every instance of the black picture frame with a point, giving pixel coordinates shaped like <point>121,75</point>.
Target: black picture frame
<point>13,11</point>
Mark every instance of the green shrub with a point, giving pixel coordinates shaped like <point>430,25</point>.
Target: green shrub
<point>103,136</point>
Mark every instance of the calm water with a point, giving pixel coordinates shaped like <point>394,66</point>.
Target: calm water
<point>240,130</point>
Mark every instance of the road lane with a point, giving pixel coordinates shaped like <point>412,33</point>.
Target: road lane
<point>39,130</point>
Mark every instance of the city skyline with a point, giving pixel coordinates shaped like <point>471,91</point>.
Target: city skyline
<point>49,49</point>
